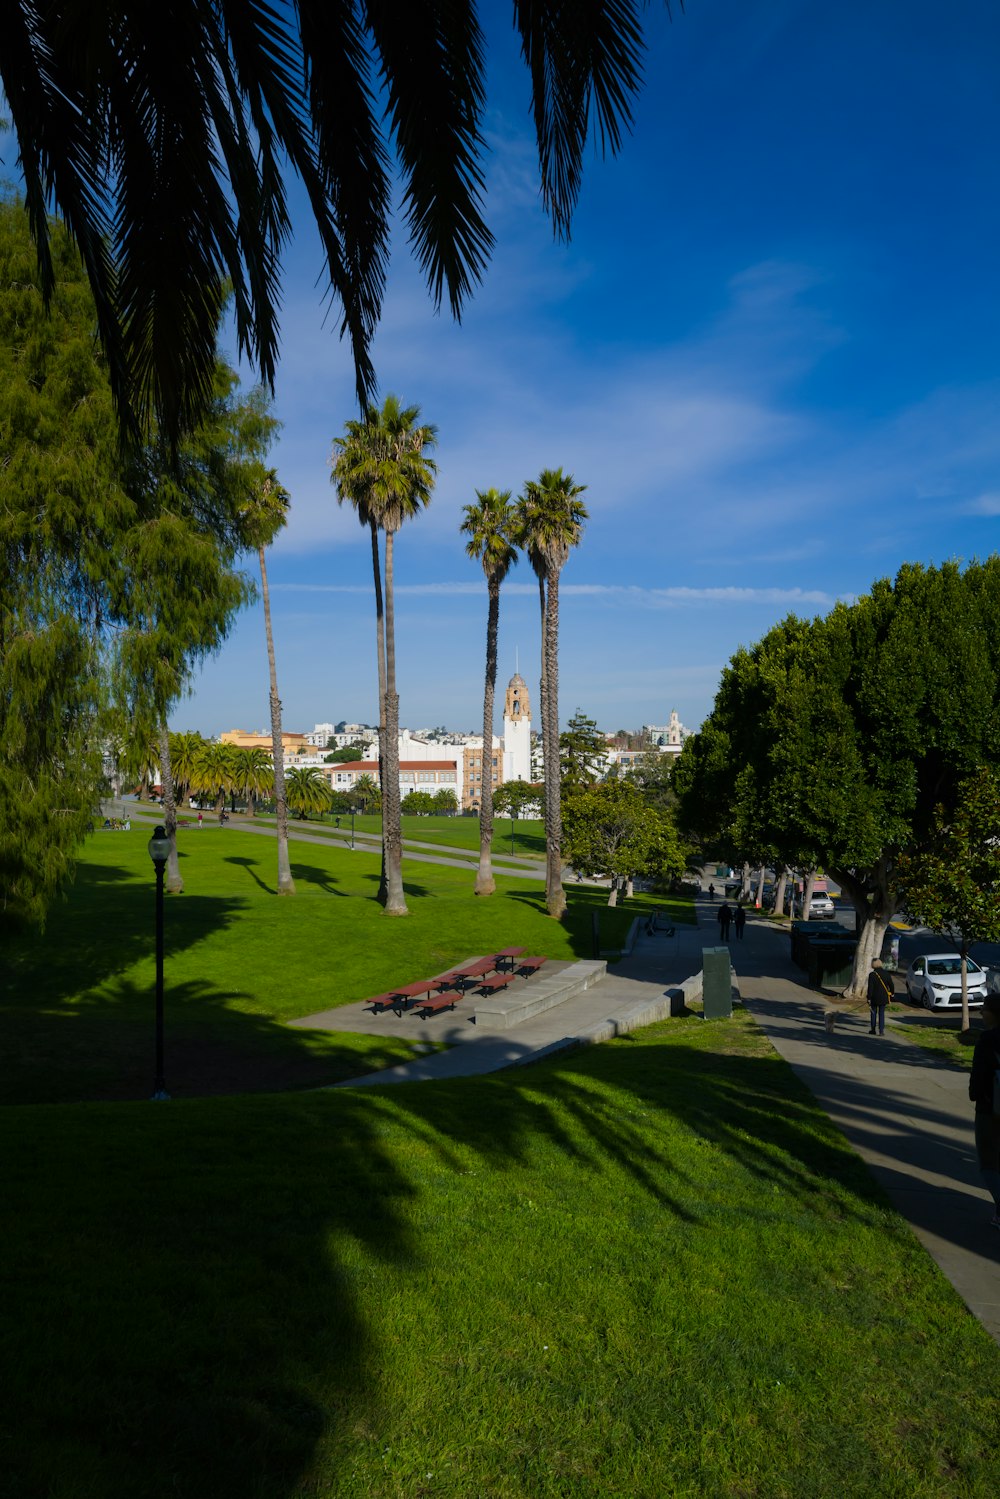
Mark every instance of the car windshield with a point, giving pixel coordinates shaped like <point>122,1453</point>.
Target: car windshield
<point>951,965</point>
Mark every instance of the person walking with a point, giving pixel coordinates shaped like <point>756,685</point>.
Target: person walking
<point>711,891</point>
<point>740,921</point>
<point>880,994</point>
<point>724,917</point>
<point>984,1091</point>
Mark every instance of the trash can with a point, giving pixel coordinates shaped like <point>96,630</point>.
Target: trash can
<point>716,983</point>
<point>804,932</point>
<point>831,962</point>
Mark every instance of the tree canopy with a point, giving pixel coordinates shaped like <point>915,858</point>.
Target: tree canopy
<point>115,573</point>
<point>834,742</point>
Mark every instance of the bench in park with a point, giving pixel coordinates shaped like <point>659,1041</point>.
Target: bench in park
<point>527,966</point>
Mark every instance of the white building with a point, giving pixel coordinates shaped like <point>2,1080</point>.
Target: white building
<point>669,737</point>
<point>517,731</point>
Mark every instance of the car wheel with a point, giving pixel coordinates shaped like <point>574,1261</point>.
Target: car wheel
<point>928,1000</point>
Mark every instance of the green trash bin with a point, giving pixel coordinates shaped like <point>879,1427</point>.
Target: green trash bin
<point>716,983</point>
<point>831,962</point>
<point>804,932</point>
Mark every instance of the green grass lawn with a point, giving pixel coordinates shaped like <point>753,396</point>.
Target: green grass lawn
<point>76,1004</point>
<point>647,1269</point>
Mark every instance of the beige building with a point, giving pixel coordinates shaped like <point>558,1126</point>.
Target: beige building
<point>293,744</point>
<point>474,771</point>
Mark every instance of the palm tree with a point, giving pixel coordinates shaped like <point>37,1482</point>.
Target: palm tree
<point>215,771</point>
<point>307,791</point>
<point>169,164</point>
<point>263,518</point>
<point>381,467</point>
<point>254,776</point>
<point>365,790</point>
<point>489,526</point>
<point>550,519</point>
<point>185,750</point>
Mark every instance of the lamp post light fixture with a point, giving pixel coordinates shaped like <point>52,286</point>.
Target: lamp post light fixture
<point>159,852</point>
<point>513,815</point>
<point>352,827</point>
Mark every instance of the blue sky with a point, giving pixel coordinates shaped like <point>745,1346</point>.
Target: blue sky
<point>769,351</point>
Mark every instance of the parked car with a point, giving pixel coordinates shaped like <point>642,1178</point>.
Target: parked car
<point>821,907</point>
<point>934,980</point>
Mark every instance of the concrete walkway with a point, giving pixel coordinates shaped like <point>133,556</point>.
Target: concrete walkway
<point>904,1110</point>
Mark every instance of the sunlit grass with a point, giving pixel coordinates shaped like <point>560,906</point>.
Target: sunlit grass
<point>76,1004</point>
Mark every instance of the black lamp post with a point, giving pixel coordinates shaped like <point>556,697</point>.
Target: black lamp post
<point>513,814</point>
<point>352,826</point>
<point>159,852</point>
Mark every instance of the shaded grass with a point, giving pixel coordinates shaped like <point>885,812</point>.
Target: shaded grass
<point>646,1269</point>
<point>76,1004</point>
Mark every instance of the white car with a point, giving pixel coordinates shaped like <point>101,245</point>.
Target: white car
<point>821,907</point>
<point>935,981</point>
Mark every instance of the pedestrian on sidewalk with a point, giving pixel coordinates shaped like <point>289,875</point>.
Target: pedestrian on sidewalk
<point>880,994</point>
<point>711,891</point>
<point>724,917</point>
<point>740,921</point>
<point>983,1090</point>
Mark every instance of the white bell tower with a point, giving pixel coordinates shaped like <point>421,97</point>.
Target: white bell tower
<point>517,731</point>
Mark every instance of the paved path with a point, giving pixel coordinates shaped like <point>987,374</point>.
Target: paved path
<point>905,1111</point>
<point>522,868</point>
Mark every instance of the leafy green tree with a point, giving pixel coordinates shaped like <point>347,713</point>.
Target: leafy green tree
<point>216,771</point>
<point>583,754</point>
<point>549,523</point>
<point>185,750</point>
<point>345,756</point>
<point>170,162</point>
<point>518,799</point>
<point>609,829</point>
<point>418,803</point>
<point>307,791</point>
<point>832,743</point>
<point>116,573</point>
<point>489,525</point>
<point>653,773</point>
<point>381,467</point>
<point>953,883</point>
<point>445,800</point>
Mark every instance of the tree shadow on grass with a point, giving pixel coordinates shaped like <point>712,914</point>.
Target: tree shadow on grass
<point>191,1276</point>
<point>313,874</point>
<point>250,865</point>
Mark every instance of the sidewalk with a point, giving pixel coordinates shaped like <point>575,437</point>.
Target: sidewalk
<point>905,1111</point>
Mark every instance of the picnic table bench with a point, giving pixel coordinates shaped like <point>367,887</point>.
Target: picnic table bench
<point>528,966</point>
<point>506,956</point>
<point>433,1004</point>
<point>499,981</point>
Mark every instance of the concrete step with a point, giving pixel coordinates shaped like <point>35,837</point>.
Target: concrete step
<point>509,1007</point>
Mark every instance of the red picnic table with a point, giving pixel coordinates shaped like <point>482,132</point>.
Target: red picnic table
<point>505,958</point>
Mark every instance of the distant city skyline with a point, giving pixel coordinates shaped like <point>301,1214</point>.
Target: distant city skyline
<point>769,351</point>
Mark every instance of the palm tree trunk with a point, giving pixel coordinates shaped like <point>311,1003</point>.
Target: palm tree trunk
<point>286,885</point>
<point>542,700</point>
<point>555,895</point>
<point>174,882</point>
<point>485,883</point>
<point>392,827</point>
<point>380,644</point>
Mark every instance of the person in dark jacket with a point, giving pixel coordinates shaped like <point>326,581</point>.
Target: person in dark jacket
<point>724,917</point>
<point>880,992</point>
<point>740,920</point>
<point>985,1062</point>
